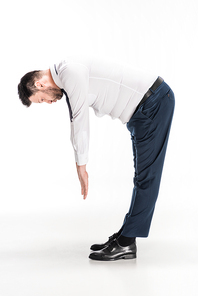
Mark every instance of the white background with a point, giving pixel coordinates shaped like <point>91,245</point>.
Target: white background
<point>38,175</point>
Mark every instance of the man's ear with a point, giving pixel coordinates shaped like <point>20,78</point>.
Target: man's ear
<point>38,84</point>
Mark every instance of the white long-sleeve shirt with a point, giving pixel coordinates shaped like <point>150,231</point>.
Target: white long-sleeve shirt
<point>109,88</point>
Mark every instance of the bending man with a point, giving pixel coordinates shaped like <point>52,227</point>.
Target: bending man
<point>142,101</point>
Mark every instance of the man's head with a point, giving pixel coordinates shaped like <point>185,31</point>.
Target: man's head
<point>38,87</point>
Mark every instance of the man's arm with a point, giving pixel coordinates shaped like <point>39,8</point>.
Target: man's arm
<point>83,177</point>
<point>75,80</point>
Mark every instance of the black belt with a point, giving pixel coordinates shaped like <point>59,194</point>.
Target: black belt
<point>155,85</point>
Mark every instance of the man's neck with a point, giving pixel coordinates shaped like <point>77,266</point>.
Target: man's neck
<point>48,74</point>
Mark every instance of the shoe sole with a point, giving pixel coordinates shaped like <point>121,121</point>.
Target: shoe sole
<point>125,257</point>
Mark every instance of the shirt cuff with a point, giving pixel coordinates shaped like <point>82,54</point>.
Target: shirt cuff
<point>81,159</point>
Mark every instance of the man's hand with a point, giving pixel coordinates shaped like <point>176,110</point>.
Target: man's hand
<point>83,177</point>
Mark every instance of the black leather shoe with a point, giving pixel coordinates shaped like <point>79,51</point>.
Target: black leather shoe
<point>115,252</point>
<point>98,247</point>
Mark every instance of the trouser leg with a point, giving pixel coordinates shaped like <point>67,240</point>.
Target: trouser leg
<point>149,128</point>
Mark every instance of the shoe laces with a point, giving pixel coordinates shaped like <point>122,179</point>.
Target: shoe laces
<point>111,245</point>
<point>114,236</point>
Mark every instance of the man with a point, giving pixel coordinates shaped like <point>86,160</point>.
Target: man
<point>142,101</point>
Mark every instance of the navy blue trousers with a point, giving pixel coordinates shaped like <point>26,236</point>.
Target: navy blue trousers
<point>149,127</point>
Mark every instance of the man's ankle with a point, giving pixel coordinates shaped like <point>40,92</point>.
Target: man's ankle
<point>125,241</point>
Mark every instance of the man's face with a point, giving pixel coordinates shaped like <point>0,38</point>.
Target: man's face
<point>48,95</point>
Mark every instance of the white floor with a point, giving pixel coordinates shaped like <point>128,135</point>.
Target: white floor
<point>47,255</point>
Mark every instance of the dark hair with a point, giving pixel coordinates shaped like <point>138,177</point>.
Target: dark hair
<point>26,87</point>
